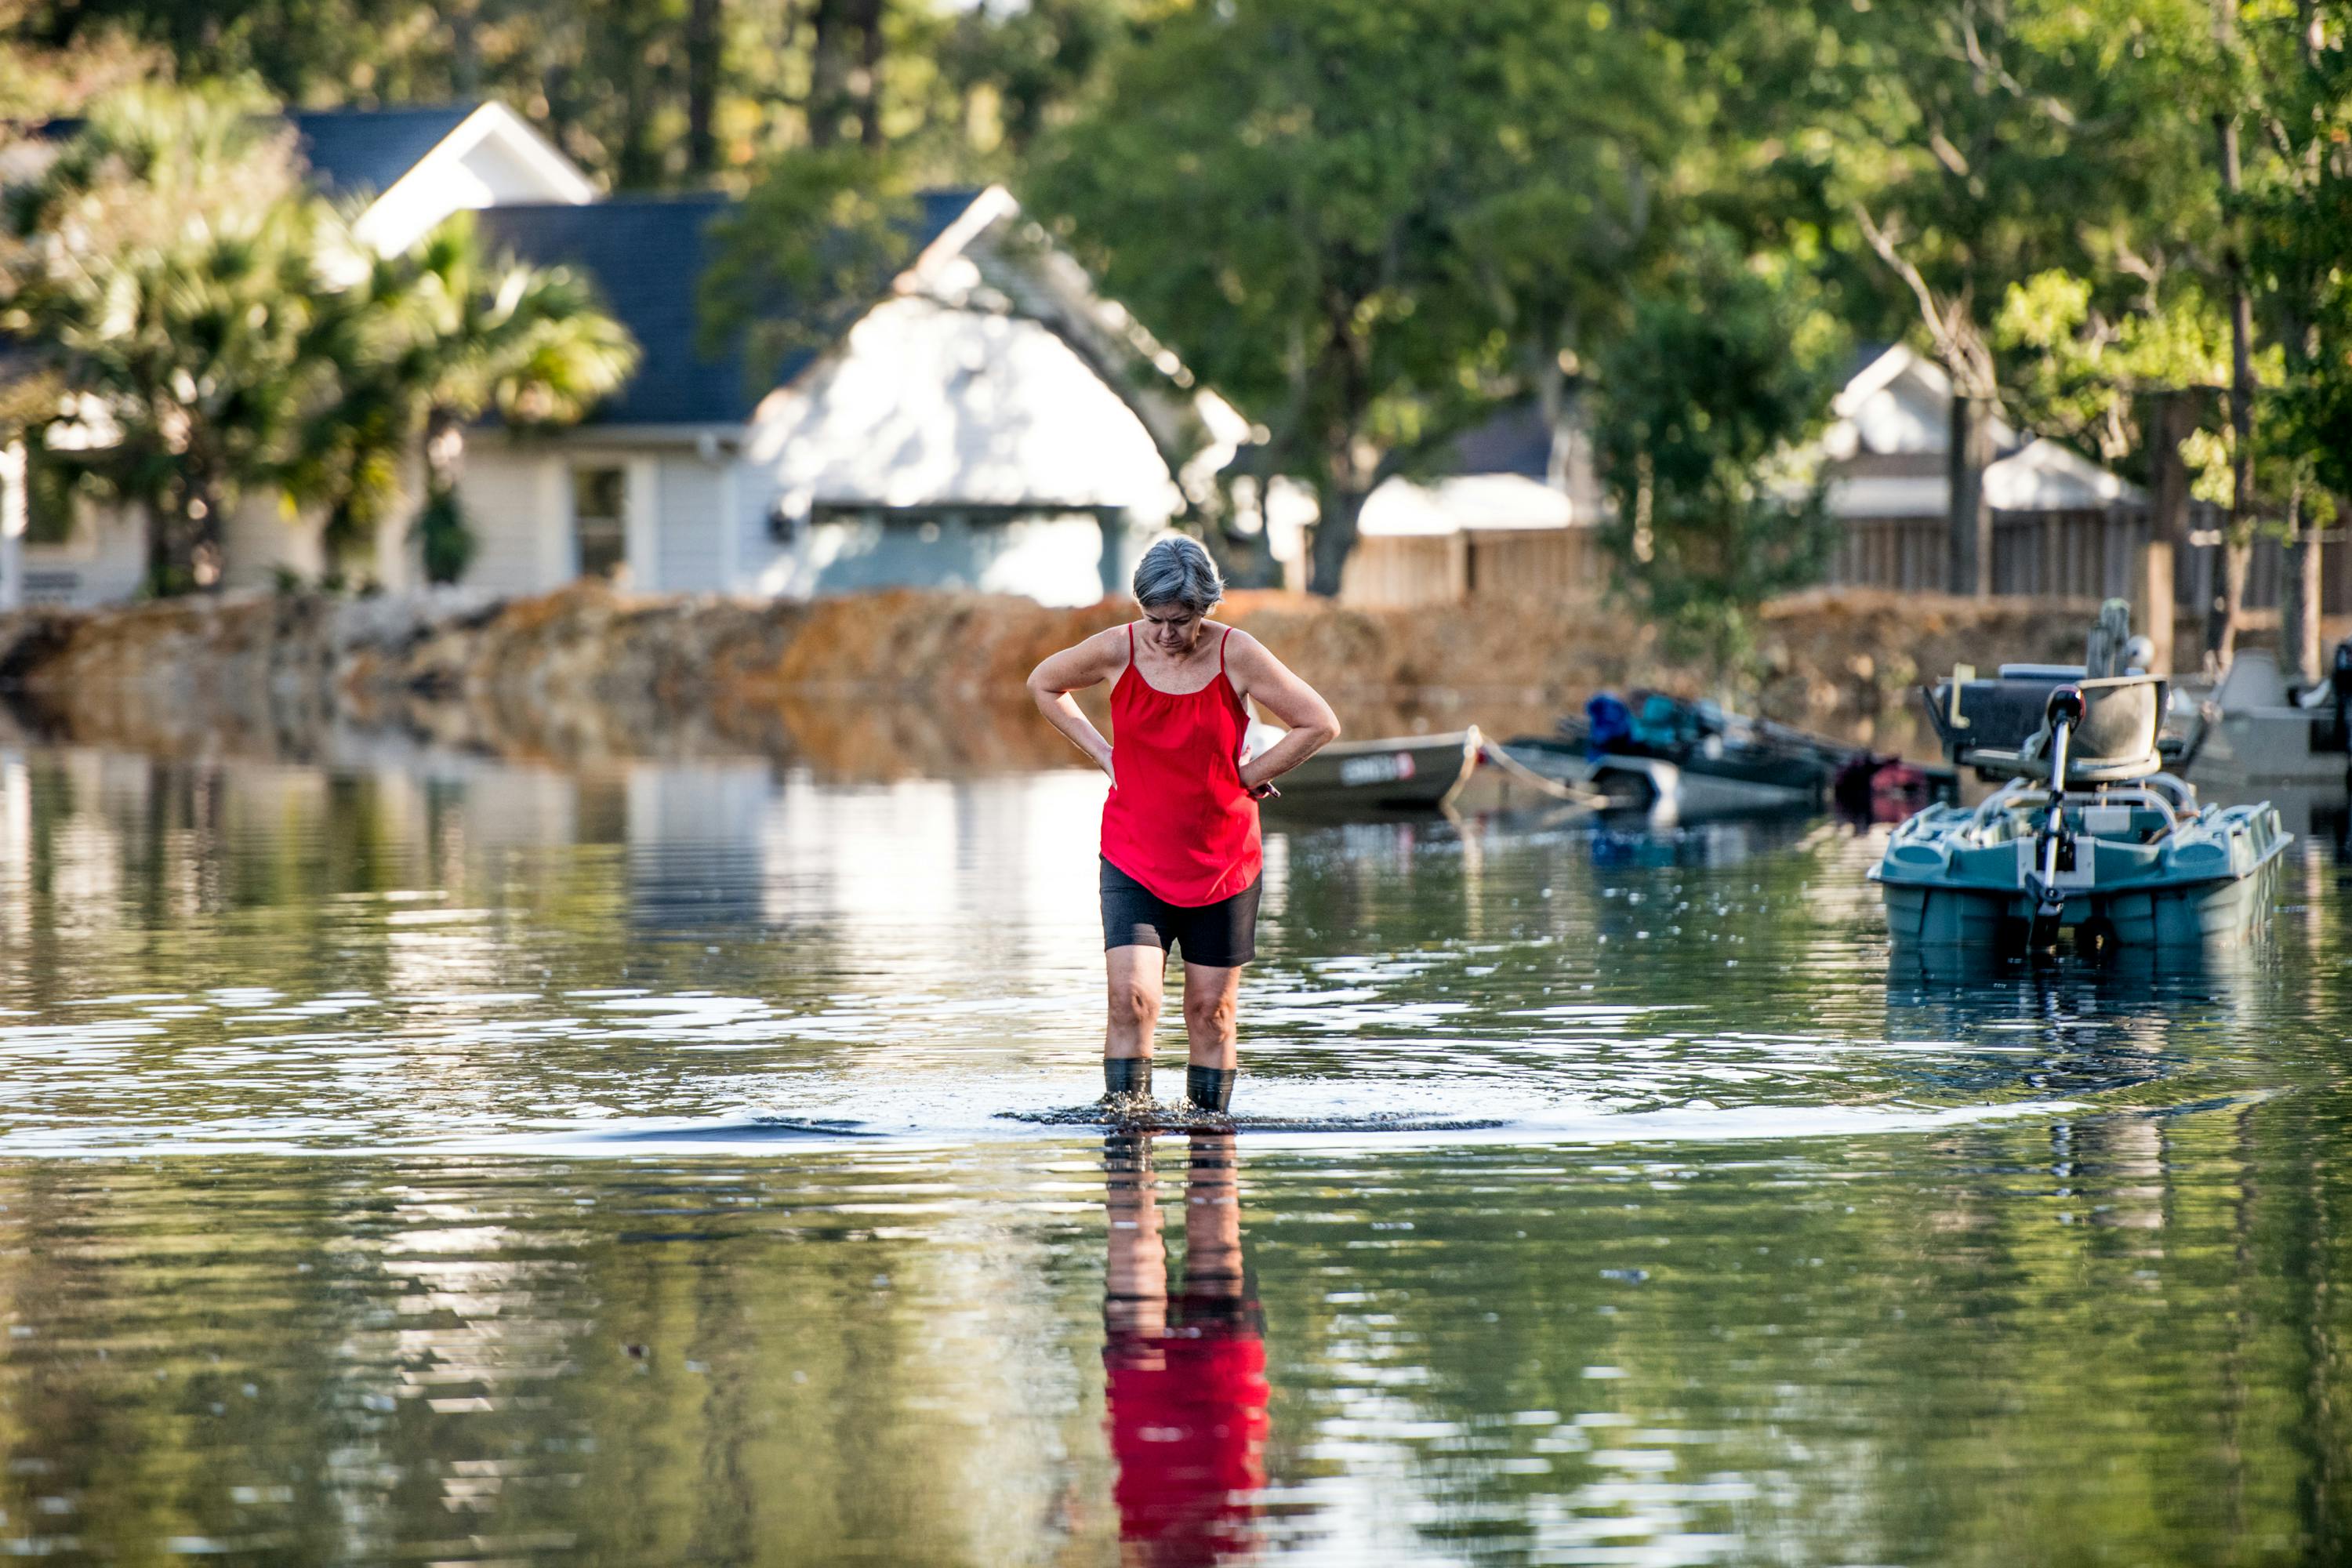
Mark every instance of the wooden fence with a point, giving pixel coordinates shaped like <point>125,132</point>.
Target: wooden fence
<point>2080,555</point>
<point>1555,565</point>
<point>2076,555</point>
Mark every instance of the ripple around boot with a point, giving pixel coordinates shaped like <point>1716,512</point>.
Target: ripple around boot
<point>1139,1113</point>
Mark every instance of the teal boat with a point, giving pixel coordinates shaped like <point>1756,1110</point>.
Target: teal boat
<point>2087,833</point>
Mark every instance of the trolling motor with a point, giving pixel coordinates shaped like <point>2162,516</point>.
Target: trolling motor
<point>2053,844</point>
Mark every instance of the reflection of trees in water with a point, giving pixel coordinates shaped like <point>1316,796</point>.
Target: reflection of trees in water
<point>1720,843</point>
<point>2116,1335</point>
<point>324,1361</point>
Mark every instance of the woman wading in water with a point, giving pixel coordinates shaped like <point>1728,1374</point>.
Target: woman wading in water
<point>1180,836</point>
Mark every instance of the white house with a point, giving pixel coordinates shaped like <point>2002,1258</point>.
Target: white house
<point>1888,445</point>
<point>989,422</point>
<point>1518,469</point>
<point>1884,454</point>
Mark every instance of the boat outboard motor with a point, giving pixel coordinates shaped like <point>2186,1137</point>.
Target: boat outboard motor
<point>2104,651</point>
<point>2339,693</point>
<point>2054,846</point>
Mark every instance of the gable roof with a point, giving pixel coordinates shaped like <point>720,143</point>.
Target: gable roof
<point>1515,439</point>
<point>368,150</point>
<point>647,256</point>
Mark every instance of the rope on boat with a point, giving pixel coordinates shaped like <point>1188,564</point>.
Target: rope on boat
<point>1493,752</point>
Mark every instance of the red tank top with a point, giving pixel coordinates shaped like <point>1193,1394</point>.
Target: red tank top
<point>1178,820</point>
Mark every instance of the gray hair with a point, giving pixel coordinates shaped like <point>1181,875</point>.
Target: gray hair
<point>1177,570</point>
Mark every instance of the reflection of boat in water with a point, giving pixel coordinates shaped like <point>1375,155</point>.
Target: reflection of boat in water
<point>1682,760</point>
<point>2064,1030</point>
<point>1401,774</point>
<point>2085,834</point>
<point>1720,841</point>
<point>2253,728</point>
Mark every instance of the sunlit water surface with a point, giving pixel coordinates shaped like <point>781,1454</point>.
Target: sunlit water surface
<point>465,1163</point>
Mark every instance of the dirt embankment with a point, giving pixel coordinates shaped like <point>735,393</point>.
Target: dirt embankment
<point>883,684</point>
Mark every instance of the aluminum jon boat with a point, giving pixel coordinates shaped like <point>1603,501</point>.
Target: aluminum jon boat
<point>1405,773</point>
<point>2085,834</point>
<point>2254,728</point>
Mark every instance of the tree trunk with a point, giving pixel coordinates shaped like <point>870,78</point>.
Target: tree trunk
<point>2299,599</point>
<point>828,98</point>
<point>1971,453</point>
<point>445,542</point>
<point>465,49</point>
<point>2172,417</point>
<point>869,72</point>
<point>2236,556</point>
<point>183,545</point>
<point>703,39</point>
<point>639,162</point>
<point>2221,632</point>
<point>1243,559</point>
<point>1335,536</point>
<point>168,566</point>
<point>445,452</point>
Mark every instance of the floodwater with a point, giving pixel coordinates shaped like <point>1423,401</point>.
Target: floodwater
<point>451,1161</point>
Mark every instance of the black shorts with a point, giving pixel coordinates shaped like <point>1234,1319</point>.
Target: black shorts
<point>1223,935</point>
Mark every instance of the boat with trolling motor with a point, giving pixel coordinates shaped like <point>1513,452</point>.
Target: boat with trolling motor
<point>2087,832</point>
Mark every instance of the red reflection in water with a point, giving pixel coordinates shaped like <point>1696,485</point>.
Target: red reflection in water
<point>1186,1381</point>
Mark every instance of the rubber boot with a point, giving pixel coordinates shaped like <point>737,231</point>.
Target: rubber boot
<point>1210,1088</point>
<point>1124,1076</point>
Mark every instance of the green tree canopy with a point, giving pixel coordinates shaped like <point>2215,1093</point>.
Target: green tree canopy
<point>803,256</point>
<point>645,92</point>
<point>437,336</point>
<point>169,271</point>
<point>1367,223</point>
<point>1728,366</point>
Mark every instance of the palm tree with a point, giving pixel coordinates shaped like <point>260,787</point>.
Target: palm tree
<point>199,326</point>
<point>164,272</point>
<point>438,337</point>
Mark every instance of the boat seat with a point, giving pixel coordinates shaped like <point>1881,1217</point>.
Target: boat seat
<point>2002,729</point>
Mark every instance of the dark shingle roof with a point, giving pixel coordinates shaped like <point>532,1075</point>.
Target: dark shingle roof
<point>648,255</point>
<point>1517,440</point>
<point>349,149</point>
<point>369,148</point>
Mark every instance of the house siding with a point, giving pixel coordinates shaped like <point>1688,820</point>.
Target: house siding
<point>259,541</point>
<point>519,506</point>
<point>690,508</point>
<point>104,562</point>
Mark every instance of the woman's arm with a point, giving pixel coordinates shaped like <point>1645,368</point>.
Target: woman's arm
<point>1092,662</point>
<point>1267,681</point>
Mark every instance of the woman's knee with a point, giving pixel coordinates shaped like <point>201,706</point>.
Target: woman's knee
<point>1135,1006</point>
<point>1210,1013</point>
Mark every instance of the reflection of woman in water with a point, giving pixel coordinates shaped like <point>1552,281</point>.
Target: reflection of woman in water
<point>1179,835</point>
<point>1186,1388</point>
